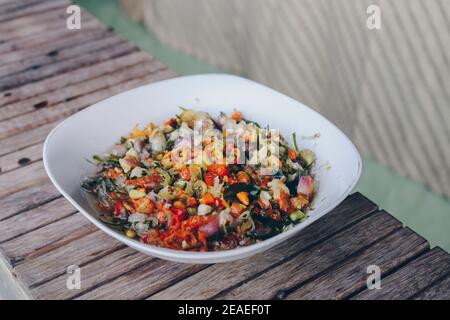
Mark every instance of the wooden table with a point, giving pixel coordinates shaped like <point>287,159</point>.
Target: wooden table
<point>47,73</point>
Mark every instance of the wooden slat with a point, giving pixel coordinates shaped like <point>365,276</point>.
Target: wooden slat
<point>24,44</point>
<point>25,139</point>
<point>314,260</point>
<point>34,15</point>
<point>86,46</point>
<point>409,280</point>
<point>33,9</point>
<point>216,278</point>
<point>109,51</point>
<point>40,25</point>
<point>351,276</point>
<point>438,291</point>
<point>94,274</point>
<point>138,70</point>
<point>34,219</point>
<point>46,239</point>
<point>67,47</point>
<point>40,71</point>
<point>52,264</point>
<point>76,76</point>
<point>22,178</point>
<point>20,158</point>
<point>27,199</point>
<point>143,281</point>
<point>34,119</point>
<point>9,7</point>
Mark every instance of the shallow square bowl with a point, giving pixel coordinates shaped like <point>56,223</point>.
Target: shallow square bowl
<point>95,129</point>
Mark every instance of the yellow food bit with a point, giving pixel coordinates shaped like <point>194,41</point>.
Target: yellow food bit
<point>150,127</point>
<point>178,204</point>
<point>167,160</point>
<point>136,194</point>
<point>137,133</point>
<point>130,233</point>
<point>243,197</point>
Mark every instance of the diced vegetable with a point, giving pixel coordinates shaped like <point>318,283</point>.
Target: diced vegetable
<point>136,194</point>
<point>243,197</point>
<point>297,215</point>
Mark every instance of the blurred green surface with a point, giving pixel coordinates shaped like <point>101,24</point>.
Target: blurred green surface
<point>412,203</point>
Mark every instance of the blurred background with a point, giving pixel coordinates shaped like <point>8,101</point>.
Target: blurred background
<point>388,89</point>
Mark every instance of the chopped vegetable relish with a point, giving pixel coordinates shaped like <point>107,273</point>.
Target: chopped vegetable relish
<point>151,190</point>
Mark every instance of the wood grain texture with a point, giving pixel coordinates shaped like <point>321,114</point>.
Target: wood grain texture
<point>60,111</point>
<point>89,248</point>
<point>137,65</point>
<point>24,45</point>
<point>46,239</point>
<point>76,76</point>
<point>27,199</point>
<point>143,281</point>
<point>39,25</point>
<point>350,277</point>
<point>213,280</point>
<point>33,219</point>
<point>138,70</point>
<point>410,279</point>
<point>315,260</point>
<point>102,52</point>
<point>31,9</point>
<point>22,178</point>
<point>26,138</point>
<point>61,50</point>
<point>20,158</point>
<point>44,12</point>
<point>94,274</point>
<point>438,291</point>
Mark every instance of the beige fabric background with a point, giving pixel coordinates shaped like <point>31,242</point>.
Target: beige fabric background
<point>388,89</point>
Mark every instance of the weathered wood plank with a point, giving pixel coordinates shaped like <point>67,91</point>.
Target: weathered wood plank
<point>20,158</point>
<point>438,291</point>
<point>34,119</point>
<point>35,218</point>
<point>410,279</point>
<point>27,199</point>
<point>143,281</point>
<point>89,49</point>
<point>26,138</point>
<point>315,260</point>
<point>22,178</point>
<point>10,6</point>
<point>67,47</point>
<point>216,278</point>
<point>41,24</point>
<point>350,277</point>
<point>46,239</point>
<point>25,43</point>
<point>32,14</point>
<point>86,45</point>
<point>119,49</point>
<point>50,265</point>
<point>32,10</point>
<point>76,76</point>
<point>94,274</point>
<point>139,69</point>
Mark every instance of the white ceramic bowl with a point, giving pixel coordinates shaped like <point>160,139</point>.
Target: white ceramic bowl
<point>95,129</point>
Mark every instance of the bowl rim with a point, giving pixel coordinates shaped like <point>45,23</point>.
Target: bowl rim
<point>188,256</point>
